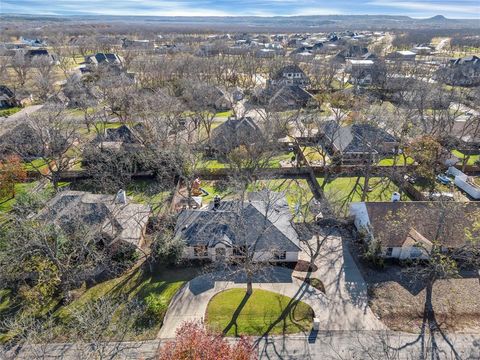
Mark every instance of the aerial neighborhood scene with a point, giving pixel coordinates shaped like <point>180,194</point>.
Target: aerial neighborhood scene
<point>203,180</point>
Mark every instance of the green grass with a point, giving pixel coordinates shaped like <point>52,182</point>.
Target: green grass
<point>400,161</point>
<point>343,190</point>
<point>9,111</point>
<point>262,312</point>
<point>20,188</point>
<point>471,160</point>
<point>211,164</point>
<point>273,162</point>
<point>36,165</point>
<point>212,189</point>
<point>313,156</point>
<point>134,286</point>
<point>101,127</point>
<point>146,192</point>
<point>5,301</point>
<point>224,114</point>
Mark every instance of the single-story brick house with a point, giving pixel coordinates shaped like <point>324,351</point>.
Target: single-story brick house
<point>408,230</point>
<point>262,227</point>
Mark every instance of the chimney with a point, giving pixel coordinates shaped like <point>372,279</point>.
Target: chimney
<point>395,197</point>
<point>216,202</point>
<point>121,197</point>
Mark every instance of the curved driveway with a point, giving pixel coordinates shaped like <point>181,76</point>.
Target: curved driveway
<point>342,307</point>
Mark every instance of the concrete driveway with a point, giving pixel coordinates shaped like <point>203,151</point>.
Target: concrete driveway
<point>342,307</point>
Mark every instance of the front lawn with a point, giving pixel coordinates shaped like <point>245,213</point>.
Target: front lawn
<point>262,312</point>
<point>136,286</point>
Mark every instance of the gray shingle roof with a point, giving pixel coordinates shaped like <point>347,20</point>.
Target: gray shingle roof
<point>357,138</point>
<point>98,213</point>
<point>264,223</point>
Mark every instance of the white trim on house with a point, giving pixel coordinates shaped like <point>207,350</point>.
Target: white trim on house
<point>409,250</point>
<point>259,256</point>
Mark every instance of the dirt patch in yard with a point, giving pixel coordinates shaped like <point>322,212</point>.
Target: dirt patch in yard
<point>456,303</point>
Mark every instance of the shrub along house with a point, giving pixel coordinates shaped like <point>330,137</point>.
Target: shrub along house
<point>261,229</point>
<point>408,230</point>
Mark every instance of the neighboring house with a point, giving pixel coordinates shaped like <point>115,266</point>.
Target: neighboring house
<point>288,97</point>
<point>103,59</point>
<point>358,142</point>
<point>7,98</point>
<point>233,133</point>
<point>422,49</point>
<point>224,229</point>
<point>32,42</point>
<point>110,217</point>
<point>407,230</point>
<point>24,141</point>
<point>290,75</point>
<point>362,72</point>
<point>352,52</point>
<point>137,44</point>
<point>38,54</point>
<point>205,96</point>
<point>404,55</point>
<point>121,137</point>
<point>465,134</point>
<point>461,72</point>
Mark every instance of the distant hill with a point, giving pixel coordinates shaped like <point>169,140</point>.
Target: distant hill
<point>437,18</point>
<point>292,23</point>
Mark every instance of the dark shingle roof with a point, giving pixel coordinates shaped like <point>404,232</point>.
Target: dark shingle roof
<point>264,223</point>
<point>233,133</point>
<point>357,138</point>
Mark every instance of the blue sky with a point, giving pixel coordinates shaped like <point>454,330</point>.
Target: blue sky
<point>418,8</point>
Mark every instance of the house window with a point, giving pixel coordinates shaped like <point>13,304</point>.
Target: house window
<point>280,255</point>
<point>416,252</point>
<point>389,252</point>
<point>200,251</point>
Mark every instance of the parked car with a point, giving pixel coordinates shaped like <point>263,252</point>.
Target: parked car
<point>445,180</point>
